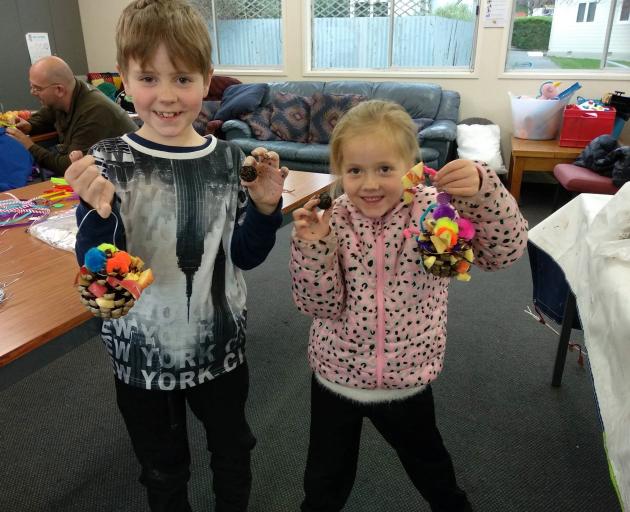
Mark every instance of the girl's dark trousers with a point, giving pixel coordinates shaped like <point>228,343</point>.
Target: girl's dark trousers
<point>156,422</point>
<point>408,425</point>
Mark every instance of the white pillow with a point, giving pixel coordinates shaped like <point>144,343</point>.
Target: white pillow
<point>481,142</point>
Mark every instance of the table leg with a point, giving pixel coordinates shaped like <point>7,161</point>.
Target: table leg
<point>516,177</point>
<point>570,309</point>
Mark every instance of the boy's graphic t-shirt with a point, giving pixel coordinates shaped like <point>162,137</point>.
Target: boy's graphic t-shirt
<point>178,207</point>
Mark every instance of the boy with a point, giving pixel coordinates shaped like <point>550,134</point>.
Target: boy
<point>175,201</point>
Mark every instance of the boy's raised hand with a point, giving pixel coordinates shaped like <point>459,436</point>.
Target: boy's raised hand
<point>458,178</point>
<point>266,190</point>
<point>309,223</point>
<point>86,180</point>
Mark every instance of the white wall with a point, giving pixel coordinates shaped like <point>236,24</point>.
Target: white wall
<point>483,94</point>
<point>568,35</point>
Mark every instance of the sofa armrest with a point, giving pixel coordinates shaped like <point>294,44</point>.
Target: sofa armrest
<point>440,130</point>
<point>236,129</point>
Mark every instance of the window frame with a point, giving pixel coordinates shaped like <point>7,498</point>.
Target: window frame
<point>280,71</point>
<point>307,55</point>
<point>605,73</point>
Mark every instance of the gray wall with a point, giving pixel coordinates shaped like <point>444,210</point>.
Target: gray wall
<point>60,19</point>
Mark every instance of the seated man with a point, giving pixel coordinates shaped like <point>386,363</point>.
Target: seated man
<point>81,115</point>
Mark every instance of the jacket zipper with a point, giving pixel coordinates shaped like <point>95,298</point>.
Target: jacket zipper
<point>380,309</point>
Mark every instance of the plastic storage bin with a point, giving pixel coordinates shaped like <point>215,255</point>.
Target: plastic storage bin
<point>536,119</point>
<point>579,127</point>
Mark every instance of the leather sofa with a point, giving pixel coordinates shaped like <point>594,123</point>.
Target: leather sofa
<point>434,110</point>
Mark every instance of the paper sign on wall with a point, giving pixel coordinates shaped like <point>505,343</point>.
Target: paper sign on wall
<point>38,45</point>
<point>495,13</point>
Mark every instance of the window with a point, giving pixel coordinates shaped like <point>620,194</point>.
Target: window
<point>245,33</point>
<point>580,15</point>
<point>393,34</point>
<point>591,12</point>
<point>576,36</point>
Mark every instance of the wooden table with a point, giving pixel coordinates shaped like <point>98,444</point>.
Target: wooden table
<point>42,137</point>
<point>536,155</point>
<point>41,306</point>
<point>301,186</point>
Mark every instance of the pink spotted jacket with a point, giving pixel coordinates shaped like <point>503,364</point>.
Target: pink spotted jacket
<point>379,322</point>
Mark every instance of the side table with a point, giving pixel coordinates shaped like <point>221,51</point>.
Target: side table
<point>536,155</point>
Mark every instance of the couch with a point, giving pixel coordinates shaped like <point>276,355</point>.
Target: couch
<point>434,110</point>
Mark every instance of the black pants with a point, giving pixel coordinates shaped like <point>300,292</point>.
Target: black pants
<point>407,425</point>
<point>156,422</point>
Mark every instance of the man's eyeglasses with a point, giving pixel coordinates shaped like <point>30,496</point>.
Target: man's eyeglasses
<point>37,89</point>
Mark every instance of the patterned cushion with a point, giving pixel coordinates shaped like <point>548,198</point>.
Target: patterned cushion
<point>290,116</point>
<point>260,123</point>
<point>326,111</point>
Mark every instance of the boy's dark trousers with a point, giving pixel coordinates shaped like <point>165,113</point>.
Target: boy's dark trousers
<point>407,425</point>
<point>156,422</point>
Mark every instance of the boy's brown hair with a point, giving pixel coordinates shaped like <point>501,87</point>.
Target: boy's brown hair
<point>375,116</point>
<point>145,24</point>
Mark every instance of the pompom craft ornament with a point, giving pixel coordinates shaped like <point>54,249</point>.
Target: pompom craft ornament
<point>443,236</point>
<point>110,280</point>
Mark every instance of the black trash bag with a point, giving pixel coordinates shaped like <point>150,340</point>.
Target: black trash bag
<point>621,169</point>
<point>599,156</point>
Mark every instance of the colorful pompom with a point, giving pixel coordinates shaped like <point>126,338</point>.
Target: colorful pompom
<point>108,248</point>
<point>118,263</point>
<point>94,260</point>
<point>466,229</point>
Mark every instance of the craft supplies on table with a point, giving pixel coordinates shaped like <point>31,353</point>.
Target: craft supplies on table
<point>59,231</point>
<point>16,212</point>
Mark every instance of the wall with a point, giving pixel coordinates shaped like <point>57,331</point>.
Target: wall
<point>60,19</point>
<point>483,94</point>
<point>584,38</point>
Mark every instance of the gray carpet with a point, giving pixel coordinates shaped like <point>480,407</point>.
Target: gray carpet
<point>518,444</point>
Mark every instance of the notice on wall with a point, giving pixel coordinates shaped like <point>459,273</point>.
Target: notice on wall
<point>495,13</point>
<point>38,45</point>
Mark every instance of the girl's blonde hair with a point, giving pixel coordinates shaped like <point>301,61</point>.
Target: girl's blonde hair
<point>375,116</point>
<point>146,24</point>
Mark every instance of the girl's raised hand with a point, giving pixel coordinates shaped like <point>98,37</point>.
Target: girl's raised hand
<point>266,188</point>
<point>458,178</point>
<point>309,223</point>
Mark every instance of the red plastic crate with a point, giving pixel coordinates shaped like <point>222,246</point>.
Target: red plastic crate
<point>579,127</point>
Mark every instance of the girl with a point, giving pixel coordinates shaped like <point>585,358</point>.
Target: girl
<point>378,335</point>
